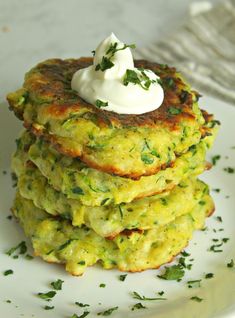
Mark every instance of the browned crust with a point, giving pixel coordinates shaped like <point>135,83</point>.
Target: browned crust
<point>50,81</point>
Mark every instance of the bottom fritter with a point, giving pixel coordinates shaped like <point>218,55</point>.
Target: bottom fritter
<point>57,241</point>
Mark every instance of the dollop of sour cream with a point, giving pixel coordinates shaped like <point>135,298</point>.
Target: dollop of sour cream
<point>113,83</point>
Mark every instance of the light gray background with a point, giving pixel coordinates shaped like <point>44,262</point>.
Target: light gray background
<point>34,30</point>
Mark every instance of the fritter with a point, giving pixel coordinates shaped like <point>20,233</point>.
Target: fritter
<point>57,241</point>
<point>95,188</point>
<point>108,221</point>
<point>125,145</point>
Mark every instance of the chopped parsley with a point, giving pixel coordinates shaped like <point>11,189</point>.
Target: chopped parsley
<point>229,170</point>
<point>135,295</point>
<point>214,248</point>
<point>209,275</point>
<point>196,298</point>
<point>104,65</point>
<point>61,247</point>
<point>113,48</point>
<point>49,307</point>
<point>185,254</point>
<point>21,247</point>
<point>174,110</point>
<point>102,285</point>
<point>85,313</point>
<point>215,158</point>
<point>8,272</point>
<point>107,312</point>
<point>175,272</point>
<point>194,283</point>
<point>216,190</point>
<point>99,103</point>
<point>106,62</point>
<point>57,285</point>
<point>77,190</point>
<point>219,218</point>
<point>81,304</point>
<point>161,293</point>
<point>138,306</point>
<point>230,264</point>
<point>122,277</point>
<point>9,217</point>
<point>138,78</point>
<point>148,160</point>
<point>47,296</point>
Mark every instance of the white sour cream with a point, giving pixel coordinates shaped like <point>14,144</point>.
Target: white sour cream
<point>108,85</point>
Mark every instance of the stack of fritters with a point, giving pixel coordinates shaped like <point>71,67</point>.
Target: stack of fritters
<point>97,186</point>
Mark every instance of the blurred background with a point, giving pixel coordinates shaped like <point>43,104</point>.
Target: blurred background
<point>34,30</point>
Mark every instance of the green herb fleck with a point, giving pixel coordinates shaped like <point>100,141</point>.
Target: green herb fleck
<point>175,272</point>
<point>229,170</point>
<point>21,247</point>
<point>146,159</point>
<point>81,304</point>
<point>107,312</point>
<point>215,158</point>
<point>174,111</point>
<point>8,272</point>
<point>219,218</point>
<point>161,293</point>
<point>99,103</point>
<point>230,264</point>
<point>216,190</point>
<point>49,307</point>
<point>137,78</point>
<point>63,246</point>
<point>82,263</point>
<point>57,285</point>
<point>102,285</point>
<point>77,190</point>
<point>122,277</point>
<point>209,275</point>
<point>135,295</point>
<point>105,64</point>
<point>213,248</point>
<point>8,301</point>
<point>225,239</point>
<point>113,48</point>
<point>185,254</point>
<point>138,306</point>
<point>47,296</point>
<point>196,298</point>
<point>85,313</point>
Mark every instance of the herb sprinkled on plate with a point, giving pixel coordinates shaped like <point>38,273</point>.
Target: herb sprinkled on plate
<point>8,272</point>
<point>215,158</point>
<point>138,306</point>
<point>122,278</point>
<point>135,295</point>
<point>230,264</point>
<point>107,312</point>
<point>81,304</point>
<point>57,285</point>
<point>47,296</point>
<point>197,299</point>
<point>175,272</point>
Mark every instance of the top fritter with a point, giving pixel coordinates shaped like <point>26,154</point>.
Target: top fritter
<point>123,144</point>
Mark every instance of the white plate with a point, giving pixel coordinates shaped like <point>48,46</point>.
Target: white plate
<point>31,277</point>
